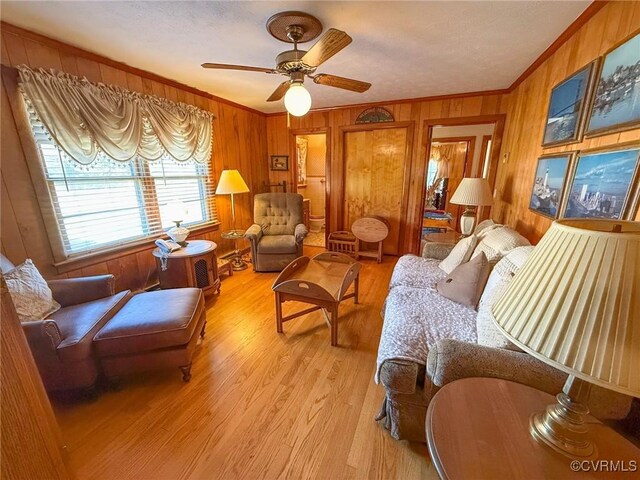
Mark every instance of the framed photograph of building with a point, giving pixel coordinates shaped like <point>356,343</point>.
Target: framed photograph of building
<point>602,185</point>
<point>567,107</point>
<point>549,183</point>
<point>616,102</point>
<point>280,162</point>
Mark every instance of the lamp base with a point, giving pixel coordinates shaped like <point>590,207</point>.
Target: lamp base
<point>467,221</point>
<point>562,426</point>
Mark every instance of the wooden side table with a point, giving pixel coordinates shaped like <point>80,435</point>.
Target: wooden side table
<point>195,265</point>
<point>450,237</point>
<point>479,428</point>
<point>370,230</point>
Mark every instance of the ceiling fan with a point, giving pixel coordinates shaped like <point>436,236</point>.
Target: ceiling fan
<point>300,27</point>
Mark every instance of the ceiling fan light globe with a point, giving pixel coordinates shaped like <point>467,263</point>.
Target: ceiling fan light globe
<point>297,100</point>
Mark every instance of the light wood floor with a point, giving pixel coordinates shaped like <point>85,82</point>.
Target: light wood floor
<point>259,405</point>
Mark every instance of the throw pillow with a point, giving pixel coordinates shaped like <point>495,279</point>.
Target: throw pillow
<point>465,284</point>
<point>30,293</point>
<point>489,334</point>
<point>498,242</point>
<point>460,254</point>
<point>484,227</point>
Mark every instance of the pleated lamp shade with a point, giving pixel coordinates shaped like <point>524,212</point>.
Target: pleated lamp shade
<point>575,304</point>
<point>473,192</point>
<point>231,182</point>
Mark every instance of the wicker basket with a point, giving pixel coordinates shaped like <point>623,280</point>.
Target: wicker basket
<point>342,241</point>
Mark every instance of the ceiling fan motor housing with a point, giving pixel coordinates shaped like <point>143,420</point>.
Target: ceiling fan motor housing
<point>291,61</point>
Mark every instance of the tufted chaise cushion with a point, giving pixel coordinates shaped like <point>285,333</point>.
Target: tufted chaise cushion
<point>278,213</point>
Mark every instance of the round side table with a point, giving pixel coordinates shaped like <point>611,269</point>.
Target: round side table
<point>237,263</point>
<point>195,265</point>
<point>479,428</point>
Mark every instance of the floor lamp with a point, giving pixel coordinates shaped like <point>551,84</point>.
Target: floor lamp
<point>232,183</point>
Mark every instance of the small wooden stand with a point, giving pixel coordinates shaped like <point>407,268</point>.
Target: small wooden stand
<point>322,281</point>
<point>371,230</point>
<point>195,265</point>
<point>342,242</point>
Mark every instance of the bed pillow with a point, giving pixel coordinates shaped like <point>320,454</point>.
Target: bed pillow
<point>489,334</point>
<point>460,254</point>
<point>465,284</point>
<point>30,293</point>
<point>497,243</point>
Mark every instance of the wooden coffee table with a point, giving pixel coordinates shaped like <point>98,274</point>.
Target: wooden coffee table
<point>322,281</point>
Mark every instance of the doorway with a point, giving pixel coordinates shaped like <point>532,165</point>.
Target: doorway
<point>311,178</point>
<point>455,149</point>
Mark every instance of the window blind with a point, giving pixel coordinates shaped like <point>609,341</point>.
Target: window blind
<point>110,203</point>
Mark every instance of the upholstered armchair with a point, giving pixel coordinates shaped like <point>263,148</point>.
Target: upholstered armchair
<point>62,344</point>
<point>278,231</point>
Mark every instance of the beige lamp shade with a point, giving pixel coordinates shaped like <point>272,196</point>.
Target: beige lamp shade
<point>473,192</point>
<point>231,182</point>
<point>575,304</point>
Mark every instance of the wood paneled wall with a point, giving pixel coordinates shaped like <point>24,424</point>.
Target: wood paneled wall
<point>280,142</point>
<point>527,111</point>
<point>239,142</point>
<point>31,441</point>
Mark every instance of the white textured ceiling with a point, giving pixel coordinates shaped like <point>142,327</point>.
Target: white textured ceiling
<point>405,49</point>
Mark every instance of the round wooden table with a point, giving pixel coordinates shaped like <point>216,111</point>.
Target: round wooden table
<point>195,265</point>
<point>370,230</point>
<point>479,428</point>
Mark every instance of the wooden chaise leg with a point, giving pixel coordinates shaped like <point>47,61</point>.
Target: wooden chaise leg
<point>278,313</point>
<point>334,325</point>
<point>186,373</point>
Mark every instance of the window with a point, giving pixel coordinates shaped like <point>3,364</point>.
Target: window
<point>110,203</point>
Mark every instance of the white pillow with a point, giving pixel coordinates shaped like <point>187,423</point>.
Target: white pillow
<point>484,227</point>
<point>30,293</point>
<point>498,242</point>
<point>460,254</point>
<point>489,334</point>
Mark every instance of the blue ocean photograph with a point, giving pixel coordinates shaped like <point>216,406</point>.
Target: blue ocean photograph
<point>617,99</point>
<point>602,184</point>
<point>548,184</point>
<point>565,108</point>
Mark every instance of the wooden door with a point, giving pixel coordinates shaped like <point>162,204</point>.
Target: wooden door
<point>457,169</point>
<point>374,170</point>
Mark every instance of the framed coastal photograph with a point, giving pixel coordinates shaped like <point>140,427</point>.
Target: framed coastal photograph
<point>602,183</point>
<point>616,102</point>
<point>567,107</point>
<point>280,162</point>
<point>549,183</point>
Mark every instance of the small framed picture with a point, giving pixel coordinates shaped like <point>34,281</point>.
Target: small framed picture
<point>280,162</point>
<point>549,184</point>
<point>616,101</point>
<point>567,108</point>
<point>602,185</point>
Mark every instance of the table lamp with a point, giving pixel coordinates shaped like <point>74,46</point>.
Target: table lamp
<point>471,193</point>
<point>575,305</point>
<point>231,183</point>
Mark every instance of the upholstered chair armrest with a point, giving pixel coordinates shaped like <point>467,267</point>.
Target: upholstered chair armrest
<point>300,232</point>
<point>399,376</point>
<point>72,291</point>
<point>451,360</point>
<point>437,251</point>
<point>43,336</point>
<point>254,233</point>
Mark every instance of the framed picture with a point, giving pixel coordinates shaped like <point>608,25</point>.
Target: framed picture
<point>567,107</point>
<point>602,184</point>
<point>616,102</point>
<point>280,162</point>
<point>548,184</point>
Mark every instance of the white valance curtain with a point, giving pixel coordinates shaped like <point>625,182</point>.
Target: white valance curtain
<point>86,119</point>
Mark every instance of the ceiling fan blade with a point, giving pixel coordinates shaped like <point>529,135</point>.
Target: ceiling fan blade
<point>341,82</point>
<point>225,66</point>
<point>279,92</point>
<point>331,43</point>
